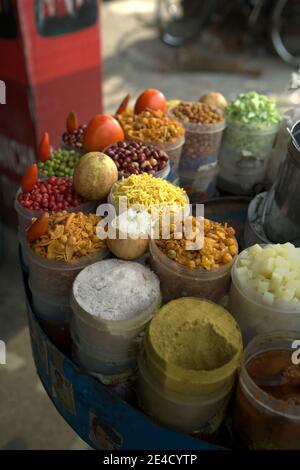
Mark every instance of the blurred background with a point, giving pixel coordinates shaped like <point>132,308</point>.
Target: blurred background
<point>63,55</point>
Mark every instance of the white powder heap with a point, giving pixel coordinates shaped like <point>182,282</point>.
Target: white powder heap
<point>116,290</point>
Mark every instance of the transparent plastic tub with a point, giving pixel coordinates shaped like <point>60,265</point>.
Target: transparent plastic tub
<point>255,317</point>
<point>187,385</point>
<point>108,341</point>
<point>177,280</point>
<point>261,421</point>
<point>201,183</point>
<point>55,278</point>
<point>202,143</point>
<point>200,414</point>
<point>49,307</point>
<point>25,215</point>
<point>91,358</point>
<point>120,377</point>
<point>244,157</point>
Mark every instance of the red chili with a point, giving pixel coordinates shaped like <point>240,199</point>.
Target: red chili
<point>29,178</point>
<point>45,148</point>
<point>72,122</point>
<point>123,105</point>
<point>38,228</point>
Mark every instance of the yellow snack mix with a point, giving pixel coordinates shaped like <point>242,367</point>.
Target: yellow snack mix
<point>219,248</point>
<point>150,126</point>
<point>70,236</point>
<point>146,190</point>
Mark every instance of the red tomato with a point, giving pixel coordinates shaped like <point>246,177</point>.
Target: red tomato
<point>150,99</point>
<point>102,130</point>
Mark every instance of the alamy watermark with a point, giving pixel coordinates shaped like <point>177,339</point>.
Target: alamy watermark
<point>296,353</point>
<point>2,92</point>
<point>161,222</point>
<point>2,353</point>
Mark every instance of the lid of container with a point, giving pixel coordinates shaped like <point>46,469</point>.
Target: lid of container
<point>115,294</point>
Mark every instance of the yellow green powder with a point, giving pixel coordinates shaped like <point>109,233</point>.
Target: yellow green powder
<point>194,334</point>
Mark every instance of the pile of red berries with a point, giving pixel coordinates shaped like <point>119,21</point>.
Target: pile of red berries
<point>53,194</point>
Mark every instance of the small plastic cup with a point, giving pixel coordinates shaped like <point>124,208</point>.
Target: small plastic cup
<point>178,281</point>
<point>25,215</point>
<point>244,157</point>
<point>202,143</point>
<point>261,421</point>
<point>254,316</point>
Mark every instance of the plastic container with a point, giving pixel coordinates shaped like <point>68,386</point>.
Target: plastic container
<point>200,414</point>
<point>55,278</point>
<point>92,358</point>
<point>261,421</point>
<point>173,149</point>
<point>255,317</point>
<point>202,143</point>
<point>244,157</point>
<point>201,183</point>
<point>108,346</point>
<point>182,388</point>
<point>177,280</point>
<point>48,307</point>
<point>25,215</point>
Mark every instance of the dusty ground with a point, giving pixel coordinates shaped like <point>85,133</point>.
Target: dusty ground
<point>133,59</point>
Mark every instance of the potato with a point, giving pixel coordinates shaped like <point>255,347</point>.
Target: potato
<point>273,271</point>
<point>127,249</point>
<point>214,99</point>
<point>268,298</point>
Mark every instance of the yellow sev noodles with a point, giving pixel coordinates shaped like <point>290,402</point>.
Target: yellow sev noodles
<point>146,190</point>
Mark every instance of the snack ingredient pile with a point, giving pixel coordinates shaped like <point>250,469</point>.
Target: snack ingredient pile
<point>148,191</point>
<point>219,247</point>
<point>69,236</point>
